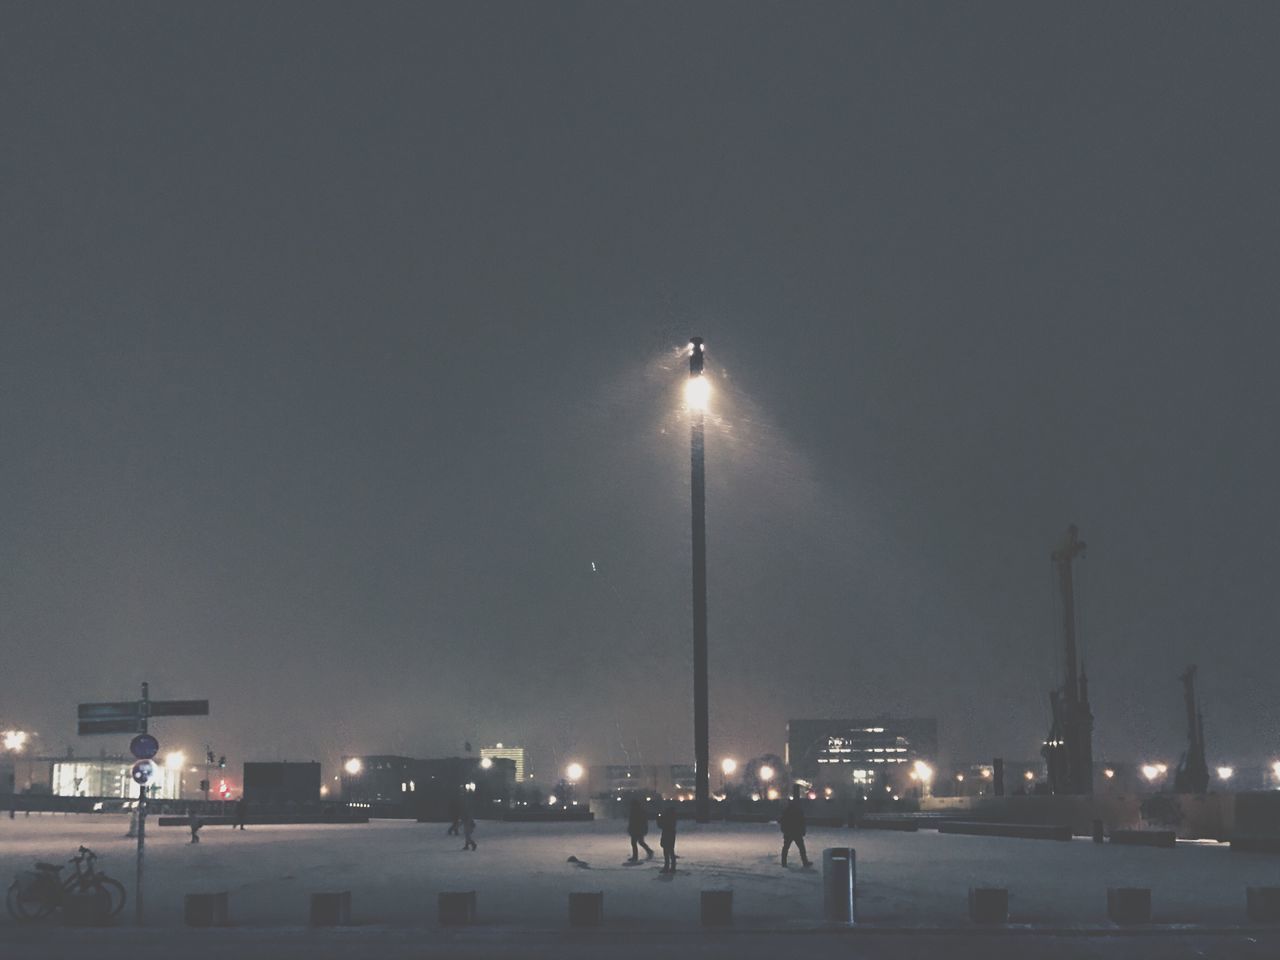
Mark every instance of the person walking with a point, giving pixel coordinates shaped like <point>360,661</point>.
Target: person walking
<point>667,823</point>
<point>242,813</point>
<point>455,816</point>
<point>468,829</point>
<point>193,821</point>
<point>638,829</point>
<point>793,828</point>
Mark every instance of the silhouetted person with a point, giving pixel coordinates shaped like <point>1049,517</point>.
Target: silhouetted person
<point>193,821</point>
<point>793,828</point>
<point>455,816</point>
<point>638,829</point>
<point>667,823</point>
<point>242,813</point>
<point>468,828</point>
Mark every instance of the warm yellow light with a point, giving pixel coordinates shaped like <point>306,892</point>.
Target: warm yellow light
<point>1225,773</point>
<point>922,770</point>
<point>1108,773</point>
<point>766,773</point>
<point>552,800</point>
<point>1162,768</point>
<point>486,763</point>
<point>729,766</point>
<point>960,777</point>
<point>175,760</point>
<point>697,393</point>
<point>574,772</point>
<point>324,790</point>
<point>15,740</point>
<point>353,766</point>
<point>1275,769</point>
<point>773,793</point>
<point>1150,771</point>
<point>1029,775</point>
<point>986,773</point>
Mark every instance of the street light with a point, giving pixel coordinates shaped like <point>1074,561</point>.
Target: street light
<point>1226,773</point>
<point>697,393</point>
<point>573,772</point>
<point>353,766</point>
<point>486,763</point>
<point>766,773</point>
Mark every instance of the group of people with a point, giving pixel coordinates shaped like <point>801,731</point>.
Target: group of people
<point>461,818</point>
<point>792,823</point>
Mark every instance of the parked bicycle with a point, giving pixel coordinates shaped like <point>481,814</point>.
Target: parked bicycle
<point>37,893</point>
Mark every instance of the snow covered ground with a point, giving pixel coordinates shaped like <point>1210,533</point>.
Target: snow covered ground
<point>394,870</point>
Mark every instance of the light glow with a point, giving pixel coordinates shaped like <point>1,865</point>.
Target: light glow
<point>1150,771</point>
<point>766,773</point>
<point>175,760</point>
<point>697,394</point>
<point>353,766</point>
<point>922,770</point>
<point>1109,773</point>
<point>574,772</point>
<point>552,800</point>
<point>486,763</point>
<point>15,740</point>
<point>729,766</point>
<point>1225,773</point>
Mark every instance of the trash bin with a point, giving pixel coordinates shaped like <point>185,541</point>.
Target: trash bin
<point>838,874</point>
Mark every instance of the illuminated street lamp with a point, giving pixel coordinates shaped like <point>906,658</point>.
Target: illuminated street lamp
<point>1225,773</point>
<point>728,766</point>
<point>14,741</point>
<point>353,766</point>
<point>486,763</point>
<point>1150,771</point>
<point>573,772</point>
<point>697,393</point>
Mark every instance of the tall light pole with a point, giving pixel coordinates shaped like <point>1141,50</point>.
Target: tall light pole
<point>696,397</point>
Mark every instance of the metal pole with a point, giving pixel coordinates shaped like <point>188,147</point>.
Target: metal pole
<point>698,487</point>
<point>142,816</point>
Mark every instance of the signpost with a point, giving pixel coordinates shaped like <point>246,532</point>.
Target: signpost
<point>130,716</point>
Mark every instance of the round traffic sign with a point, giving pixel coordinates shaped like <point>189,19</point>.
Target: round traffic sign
<point>143,771</point>
<point>144,746</point>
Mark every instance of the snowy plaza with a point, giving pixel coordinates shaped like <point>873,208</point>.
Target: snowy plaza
<point>522,878</point>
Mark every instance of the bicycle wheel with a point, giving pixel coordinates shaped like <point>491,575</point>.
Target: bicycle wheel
<point>115,890</point>
<point>26,908</point>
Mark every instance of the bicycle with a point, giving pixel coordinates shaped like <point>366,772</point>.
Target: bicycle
<point>35,894</point>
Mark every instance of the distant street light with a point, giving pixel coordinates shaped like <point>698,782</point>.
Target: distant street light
<point>486,763</point>
<point>14,740</point>
<point>353,766</point>
<point>1225,773</point>
<point>1150,771</point>
<point>697,393</point>
<point>728,766</point>
<point>175,760</point>
<point>573,772</point>
<point>766,773</point>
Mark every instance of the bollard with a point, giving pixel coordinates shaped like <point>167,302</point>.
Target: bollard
<point>1263,904</point>
<point>1097,831</point>
<point>988,905</point>
<point>839,871</point>
<point>456,909</point>
<point>1129,904</point>
<point>206,910</point>
<point>88,909</point>
<point>717,908</point>
<point>586,909</point>
<point>331,909</point>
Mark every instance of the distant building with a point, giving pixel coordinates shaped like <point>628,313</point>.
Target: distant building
<point>516,754</point>
<point>860,754</point>
<point>380,781</point>
<point>394,786</point>
<point>110,777</point>
<point>282,783</point>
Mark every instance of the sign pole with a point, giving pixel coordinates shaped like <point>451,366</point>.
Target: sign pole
<point>144,710</point>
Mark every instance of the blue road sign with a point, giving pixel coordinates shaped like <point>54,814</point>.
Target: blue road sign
<point>144,746</point>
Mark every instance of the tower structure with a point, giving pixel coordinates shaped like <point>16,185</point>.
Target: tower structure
<point>1068,751</point>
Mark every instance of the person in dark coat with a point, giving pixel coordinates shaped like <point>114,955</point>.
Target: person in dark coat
<point>638,829</point>
<point>667,823</point>
<point>793,828</point>
<point>193,821</point>
<point>468,829</point>
<point>242,813</point>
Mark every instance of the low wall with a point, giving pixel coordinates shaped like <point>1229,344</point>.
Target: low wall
<point>1191,816</point>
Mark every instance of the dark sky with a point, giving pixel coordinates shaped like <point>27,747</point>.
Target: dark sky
<point>340,341</point>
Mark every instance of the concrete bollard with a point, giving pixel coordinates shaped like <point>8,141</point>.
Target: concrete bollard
<point>206,910</point>
<point>1263,904</point>
<point>586,909</point>
<point>717,908</point>
<point>988,905</point>
<point>331,909</point>
<point>1129,904</point>
<point>87,909</point>
<point>839,875</point>
<point>456,909</point>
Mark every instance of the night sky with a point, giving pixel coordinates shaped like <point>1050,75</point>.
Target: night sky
<point>340,370</point>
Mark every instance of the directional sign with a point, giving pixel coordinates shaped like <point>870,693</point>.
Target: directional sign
<point>107,711</point>
<point>143,771</point>
<point>87,728</point>
<point>144,746</point>
<point>179,708</point>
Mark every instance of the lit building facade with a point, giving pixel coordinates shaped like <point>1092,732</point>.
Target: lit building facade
<point>517,755</point>
<point>110,777</point>
<point>666,781</point>
<point>859,755</point>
